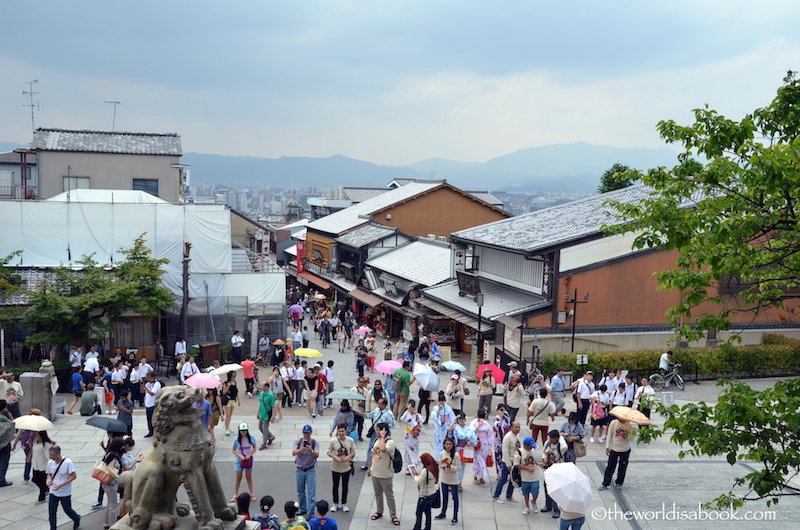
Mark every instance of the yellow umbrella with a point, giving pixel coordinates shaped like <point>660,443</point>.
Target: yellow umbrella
<point>307,352</point>
<point>319,296</point>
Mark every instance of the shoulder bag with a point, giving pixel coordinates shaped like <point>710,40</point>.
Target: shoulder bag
<point>578,447</point>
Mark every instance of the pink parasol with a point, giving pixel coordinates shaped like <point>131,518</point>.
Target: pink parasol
<point>497,372</point>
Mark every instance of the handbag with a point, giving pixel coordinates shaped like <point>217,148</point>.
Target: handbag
<point>100,472</point>
<point>579,448</point>
<point>490,460</point>
<point>247,463</point>
<point>437,499</point>
<point>353,435</point>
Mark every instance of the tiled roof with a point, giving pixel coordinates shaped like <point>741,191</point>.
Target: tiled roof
<point>553,226</point>
<point>107,142</point>
<point>498,299</point>
<point>422,261</point>
<point>486,196</point>
<point>357,195</point>
<point>362,237</point>
<point>32,279</point>
<point>13,158</point>
<point>343,220</point>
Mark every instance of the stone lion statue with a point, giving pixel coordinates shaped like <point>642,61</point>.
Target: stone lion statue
<point>182,455</point>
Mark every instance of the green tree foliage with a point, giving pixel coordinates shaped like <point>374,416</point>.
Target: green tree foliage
<point>87,299</point>
<point>759,429</point>
<point>616,177</point>
<point>734,220</point>
<point>10,284</point>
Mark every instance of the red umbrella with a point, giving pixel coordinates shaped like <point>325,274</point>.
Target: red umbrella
<point>497,372</point>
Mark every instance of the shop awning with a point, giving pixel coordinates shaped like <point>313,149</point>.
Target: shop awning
<point>366,298</point>
<point>316,280</point>
<point>454,314</point>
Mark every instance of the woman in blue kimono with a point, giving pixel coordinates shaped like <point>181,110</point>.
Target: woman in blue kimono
<point>464,437</point>
<point>443,417</point>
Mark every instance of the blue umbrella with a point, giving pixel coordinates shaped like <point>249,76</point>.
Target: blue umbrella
<point>453,366</point>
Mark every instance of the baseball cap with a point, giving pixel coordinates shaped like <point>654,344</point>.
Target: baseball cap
<point>243,427</point>
<point>513,364</point>
<point>307,428</point>
<point>529,442</point>
<point>454,376</point>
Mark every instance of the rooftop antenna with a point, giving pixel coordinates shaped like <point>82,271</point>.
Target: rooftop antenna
<point>433,174</point>
<point>114,121</point>
<point>30,93</point>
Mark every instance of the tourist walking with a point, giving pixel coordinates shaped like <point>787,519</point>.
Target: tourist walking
<point>60,475</point>
<point>266,404</point>
<point>341,449</point>
<point>151,389</point>
<point>485,435</point>
<point>379,415</point>
<point>530,474</point>
<point>486,388</point>
<point>443,417</point>
<point>511,443</point>
<point>558,387</point>
<point>344,416</point>
<point>413,424</point>
<point>111,460</point>
<point>450,465</point>
<point>230,398</point>
<point>618,450</point>
<point>427,479</point>
<point>40,453</point>
<point>382,472</point>
<point>540,412</point>
<point>243,449</point>
<point>305,451</point>
<point>515,396</point>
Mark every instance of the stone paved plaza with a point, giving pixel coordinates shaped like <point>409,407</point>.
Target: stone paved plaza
<point>657,482</point>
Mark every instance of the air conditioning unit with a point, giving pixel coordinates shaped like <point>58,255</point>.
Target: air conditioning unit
<point>185,177</point>
<point>442,239</point>
<point>432,237</point>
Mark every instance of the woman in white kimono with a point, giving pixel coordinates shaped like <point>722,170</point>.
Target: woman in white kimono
<point>413,422</point>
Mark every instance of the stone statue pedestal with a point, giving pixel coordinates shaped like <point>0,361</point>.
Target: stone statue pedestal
<point>189,522</point>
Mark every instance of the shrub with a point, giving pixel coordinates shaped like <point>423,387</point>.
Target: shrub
<point>710,362</point>
<point>774,338</point>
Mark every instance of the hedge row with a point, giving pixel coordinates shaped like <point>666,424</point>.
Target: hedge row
<point>711,362</point>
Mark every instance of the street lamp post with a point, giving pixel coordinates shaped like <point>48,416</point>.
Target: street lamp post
<point>575,303</point>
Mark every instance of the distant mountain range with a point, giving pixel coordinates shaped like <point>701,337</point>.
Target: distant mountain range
<point>568,168</point>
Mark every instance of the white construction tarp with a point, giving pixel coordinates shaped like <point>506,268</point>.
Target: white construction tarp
<point>52,234</point>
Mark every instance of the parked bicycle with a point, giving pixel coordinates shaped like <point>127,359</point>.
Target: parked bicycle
<point>659,381</point>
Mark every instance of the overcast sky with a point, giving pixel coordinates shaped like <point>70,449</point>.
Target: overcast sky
<point>391,82</point>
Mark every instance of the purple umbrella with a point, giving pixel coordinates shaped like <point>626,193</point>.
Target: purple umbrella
<point>295,308</point>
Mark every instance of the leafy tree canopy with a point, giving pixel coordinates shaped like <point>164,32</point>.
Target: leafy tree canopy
<point>89,298</point>
<point>616,177</point>
<point>760,429</point>
<point>734,220</point>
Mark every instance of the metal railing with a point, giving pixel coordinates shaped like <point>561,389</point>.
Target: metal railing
<point>17,193</point>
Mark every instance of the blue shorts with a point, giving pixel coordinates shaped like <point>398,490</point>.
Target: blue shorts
<point>530,488</point>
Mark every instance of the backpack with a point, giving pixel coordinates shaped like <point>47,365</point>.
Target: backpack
<point>516,473</point>
<point>397,382</point>
<point>565,457</point>
<point>397,461</point>
<point>598,412</point>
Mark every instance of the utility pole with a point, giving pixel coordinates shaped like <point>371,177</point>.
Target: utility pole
<point>114,120</point>
<point>30,93</point>
<point>575,303</point>
<point>183,324</point>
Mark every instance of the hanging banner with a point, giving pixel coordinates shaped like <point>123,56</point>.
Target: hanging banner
<point>301,256</point>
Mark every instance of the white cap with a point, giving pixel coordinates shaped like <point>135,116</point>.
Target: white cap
<point>243,427</point>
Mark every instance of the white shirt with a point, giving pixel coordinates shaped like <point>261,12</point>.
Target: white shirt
<point>141,372</point>
<point>180,347</point>
<point>644,393</point>
<point>92,354</point>
<point>67,468</point>
<point>629,391</point>
<point>117,377</point>
<point>297,338</point>
<point>91,365</point>
<point>618,398</point>
<point>611,383</point>
<point>299,374</point>
<point>328,374</point>
<point>287,373</point>
<point>263,344</point>
<point>75,358</point>
<point>237,341</point>
<point>585,389</point>
<point>154,387</point>
<point>188,370</point>
<point>664,362</point>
